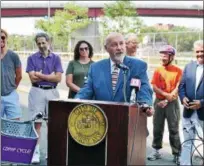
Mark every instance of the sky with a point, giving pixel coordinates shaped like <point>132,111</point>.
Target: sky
<point>29,22</point>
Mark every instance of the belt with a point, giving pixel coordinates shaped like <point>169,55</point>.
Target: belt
<point>44,86</point>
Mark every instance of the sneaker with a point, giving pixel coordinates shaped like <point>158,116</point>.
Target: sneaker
<point>36,155</point>
<point>176,159</point>
<point>154,156</point>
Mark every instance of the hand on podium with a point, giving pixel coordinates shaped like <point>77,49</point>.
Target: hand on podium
<point>147,109</point>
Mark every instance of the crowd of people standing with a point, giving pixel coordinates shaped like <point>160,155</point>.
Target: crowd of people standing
<point>103,80</point>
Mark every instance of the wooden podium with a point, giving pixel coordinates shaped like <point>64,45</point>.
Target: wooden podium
<point>124,144</point>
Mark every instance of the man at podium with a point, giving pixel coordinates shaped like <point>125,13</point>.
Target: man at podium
<point>106,77</point>
<point>94,127</point>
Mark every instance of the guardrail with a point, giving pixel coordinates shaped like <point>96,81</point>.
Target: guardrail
<point>152,61</point>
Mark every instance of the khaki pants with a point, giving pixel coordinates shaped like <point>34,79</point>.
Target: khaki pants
<point>172,113</point>
<point>38,101</point>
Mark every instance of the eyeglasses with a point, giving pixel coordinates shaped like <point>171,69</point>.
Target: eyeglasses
<point>82,49</point>
<point>199,51</point>
<point>3,37</point>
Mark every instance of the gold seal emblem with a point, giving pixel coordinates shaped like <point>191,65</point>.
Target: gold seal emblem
<point>87,124</point>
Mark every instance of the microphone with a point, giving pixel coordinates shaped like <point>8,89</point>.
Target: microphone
<point>122,66</point>
<point>136,84</point>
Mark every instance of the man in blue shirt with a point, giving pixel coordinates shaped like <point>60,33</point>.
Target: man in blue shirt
<point>105,80</point>
<point>191,93</point>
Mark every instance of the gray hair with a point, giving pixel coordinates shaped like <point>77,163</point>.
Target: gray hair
<point>131,36</point>
<point>198,43</point>
<point>110,35</point>
<point>41,34</point>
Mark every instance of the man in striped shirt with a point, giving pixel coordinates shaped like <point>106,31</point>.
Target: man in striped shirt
<point>105,81</point>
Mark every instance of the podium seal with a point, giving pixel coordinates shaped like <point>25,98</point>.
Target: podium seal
<point>87,124</point>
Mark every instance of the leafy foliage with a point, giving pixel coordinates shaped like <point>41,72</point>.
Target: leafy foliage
<point>120,16</point>
<point>21,43</point>
<point>182,38</point>
<point>64,22</point>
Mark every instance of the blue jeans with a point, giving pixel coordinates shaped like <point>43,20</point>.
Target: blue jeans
<point>10,106</point>
<point>191,128</point>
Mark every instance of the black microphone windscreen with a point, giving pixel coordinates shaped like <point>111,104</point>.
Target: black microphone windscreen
<point>122,66</point>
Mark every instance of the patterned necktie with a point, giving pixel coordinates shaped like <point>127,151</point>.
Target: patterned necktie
<point>114,78</point>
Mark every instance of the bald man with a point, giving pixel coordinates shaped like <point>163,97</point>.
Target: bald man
<point>105,80</point>
<point>131,42</point>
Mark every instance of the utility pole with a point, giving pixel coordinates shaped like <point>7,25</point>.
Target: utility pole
<point>48,11</point>
<point>48,17</point>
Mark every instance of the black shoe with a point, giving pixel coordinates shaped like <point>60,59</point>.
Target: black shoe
<point>176,159</point>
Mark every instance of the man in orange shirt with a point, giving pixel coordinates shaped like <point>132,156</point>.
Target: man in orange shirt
<point>165,83</point>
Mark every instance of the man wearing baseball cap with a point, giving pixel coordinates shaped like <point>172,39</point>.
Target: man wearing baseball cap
<point>165,82</point>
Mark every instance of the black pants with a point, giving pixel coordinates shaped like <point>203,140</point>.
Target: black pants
<point>172,113</point>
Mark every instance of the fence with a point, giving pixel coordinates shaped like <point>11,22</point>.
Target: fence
<point>153,61</point>
<point>182,41</point>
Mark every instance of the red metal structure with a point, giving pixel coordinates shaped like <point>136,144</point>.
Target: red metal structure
<point>96,12</point>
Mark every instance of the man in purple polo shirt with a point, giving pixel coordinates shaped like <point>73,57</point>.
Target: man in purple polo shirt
<point>44,69</point>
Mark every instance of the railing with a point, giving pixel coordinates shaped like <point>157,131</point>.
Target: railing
<point>152,60</point>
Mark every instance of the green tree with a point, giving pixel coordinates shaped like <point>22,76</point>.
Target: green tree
<point>64,22</point>
<point>181,37</point>
<point>120,16</point>
<point>15,42</point>
<point>151,31</point>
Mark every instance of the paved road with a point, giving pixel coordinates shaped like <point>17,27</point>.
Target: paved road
<point>166,160</point>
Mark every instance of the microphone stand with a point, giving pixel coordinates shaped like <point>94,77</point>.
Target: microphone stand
<point>124,84</point>
<point>136,124</point>
<point>138,105</point>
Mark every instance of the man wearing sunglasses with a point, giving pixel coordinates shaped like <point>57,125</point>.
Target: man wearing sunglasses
<point>11,74</point>
<point>191,93</point>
